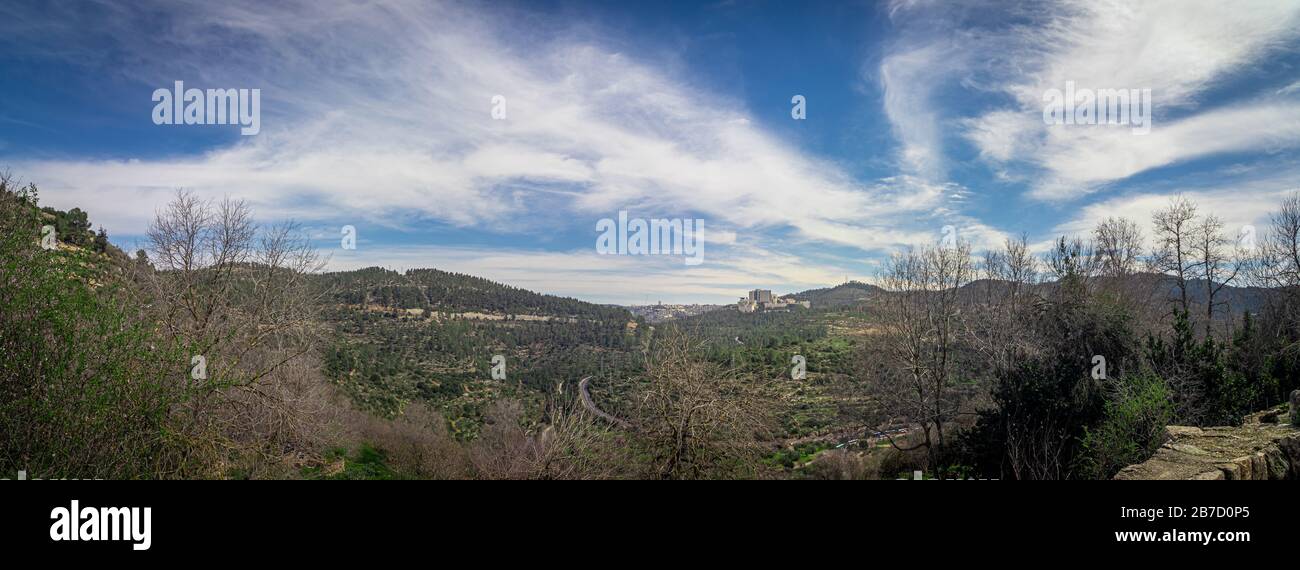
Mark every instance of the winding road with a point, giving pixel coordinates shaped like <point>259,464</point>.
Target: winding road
<point>591,406</point>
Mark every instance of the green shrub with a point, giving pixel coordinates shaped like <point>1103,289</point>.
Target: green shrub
<point>86,390</point>
<point>1132,428</point>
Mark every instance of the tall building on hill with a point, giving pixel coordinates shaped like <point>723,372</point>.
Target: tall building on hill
<point>765,300</point>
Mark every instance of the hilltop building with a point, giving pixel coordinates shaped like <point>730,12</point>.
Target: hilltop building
<point>763,299</point>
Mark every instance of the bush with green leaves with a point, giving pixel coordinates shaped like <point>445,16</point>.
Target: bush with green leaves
<point>1132,428</point>
<point>86,390</point>
<point>1212,382</point>
<point>1045,404</point>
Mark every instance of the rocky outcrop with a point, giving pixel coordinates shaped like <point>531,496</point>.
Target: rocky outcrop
<point>1266,446</point>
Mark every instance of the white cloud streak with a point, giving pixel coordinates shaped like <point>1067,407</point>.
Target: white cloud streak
<point>1005,56</point>
<point>1179,49</point>
<point>381,112</point>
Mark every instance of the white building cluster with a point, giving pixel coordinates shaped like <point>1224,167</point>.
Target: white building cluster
<point>763,299</point>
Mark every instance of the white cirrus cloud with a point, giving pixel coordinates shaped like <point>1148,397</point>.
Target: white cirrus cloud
<point>389,122</point>
<point>1181,50</point>
<point>1006,56</point>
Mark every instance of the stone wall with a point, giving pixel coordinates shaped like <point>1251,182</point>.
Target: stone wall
<point>1266,446</point>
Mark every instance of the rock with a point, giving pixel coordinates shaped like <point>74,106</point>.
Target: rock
<point>1295,408</point>
<point>1186,448</point>
<point>1258,467</point>
<point>1176,432</point>
<point>1231,471</point>
<point>1277,415</point>
<point>1256,450</point>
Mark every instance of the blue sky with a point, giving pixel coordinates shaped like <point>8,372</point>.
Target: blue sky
<point>920,114</point>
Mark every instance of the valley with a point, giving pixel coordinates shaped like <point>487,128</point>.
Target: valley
<point>424,373</point>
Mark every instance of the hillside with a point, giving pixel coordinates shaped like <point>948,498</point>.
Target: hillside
<point>453,293</point>
<point>431,336</point>
<point>1153,288</point>
<point>851,293</point>
<point>459,353</point>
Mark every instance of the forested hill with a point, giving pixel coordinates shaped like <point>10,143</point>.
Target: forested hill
<point>455,292</point>
<point>432,336</point>
<point>1154,287</point>
<point>849,293</point>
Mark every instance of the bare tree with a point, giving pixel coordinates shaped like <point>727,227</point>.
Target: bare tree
<point>236,297</point>
<point>923,325</point>
<point>1276,264</point>
<point>1073,261</point>
<point>994,324</point>
<point>698,419</point>
<point>1217,263</point>
<point>1174,226</point>
<point>570,445</point>
<point>1119,247</point>
<point>1279,250</point>
<point>1036,452</point>
<point>227,288</point>
<point>1013,264</point>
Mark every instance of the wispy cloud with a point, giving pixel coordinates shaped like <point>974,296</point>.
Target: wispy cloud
<point>379,114</point>
<point>1181,50</point>
<point>1245,196</point>
<point>389,122</point>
